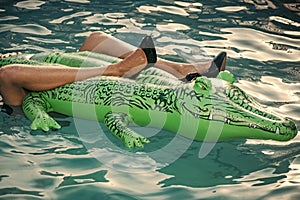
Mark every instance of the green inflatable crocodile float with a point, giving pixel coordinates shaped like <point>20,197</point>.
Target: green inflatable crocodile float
<point>155,98</point>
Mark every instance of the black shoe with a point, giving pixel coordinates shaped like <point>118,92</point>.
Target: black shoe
<point>189,77</point>
<point>217,65</point>
<point>148,47</point>
<point>6,109</point>
<point>220,61</point>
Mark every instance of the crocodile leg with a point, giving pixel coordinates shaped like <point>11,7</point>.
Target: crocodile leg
<point>117,124</point>
<point>36,108</point>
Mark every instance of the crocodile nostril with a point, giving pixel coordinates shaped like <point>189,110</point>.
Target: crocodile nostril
<point>289,124</point>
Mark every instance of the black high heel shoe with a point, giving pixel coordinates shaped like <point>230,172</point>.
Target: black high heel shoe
<point>147,45</point>
<point>190,76</point>
<point>218,64</point>
<point>220,61</point>
<point>6,109</point>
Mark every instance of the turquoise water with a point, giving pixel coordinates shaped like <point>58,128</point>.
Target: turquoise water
<point>262,39</point>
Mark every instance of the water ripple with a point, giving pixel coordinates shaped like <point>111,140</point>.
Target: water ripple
<point>30,4</point>
<point>79,1</point>
<point>25,28</point>
<point>232,8</point>
<point>8,18</point>
<point>164,9</point>
<point>254,44</point>
<point>68,17</point>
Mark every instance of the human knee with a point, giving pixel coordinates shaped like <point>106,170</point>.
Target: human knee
<point>8,72</point>
<point>3,73</point>
<point>99,35</point>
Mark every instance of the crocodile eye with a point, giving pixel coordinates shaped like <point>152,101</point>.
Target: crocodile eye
<point>202,84</point>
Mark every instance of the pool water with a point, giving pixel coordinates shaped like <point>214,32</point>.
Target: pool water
<point>261,38</point>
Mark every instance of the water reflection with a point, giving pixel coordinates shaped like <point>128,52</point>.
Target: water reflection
<point>165,9</point>
<point>68,17</point>
<point>253,44</point>
<point>232,163</point>
<point>271,89</point>
<point>281,97</point>
<point>30,4</point>
<point>231,8</point>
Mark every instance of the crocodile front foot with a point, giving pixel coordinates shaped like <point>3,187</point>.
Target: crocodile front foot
<point>44,122</point>
<point>117,124</point>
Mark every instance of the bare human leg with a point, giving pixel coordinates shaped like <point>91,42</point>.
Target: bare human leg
<point>16,79</point>
<point>106,44</point>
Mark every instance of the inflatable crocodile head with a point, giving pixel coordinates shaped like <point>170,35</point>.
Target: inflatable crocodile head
<point>226,112</point>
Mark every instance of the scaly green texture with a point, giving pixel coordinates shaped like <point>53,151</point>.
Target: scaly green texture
<point>210,109</point>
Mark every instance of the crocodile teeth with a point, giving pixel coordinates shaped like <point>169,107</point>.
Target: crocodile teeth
<point>210,116</point>
<point>252,126</point>
<point>227,121</point>
<point>277,130</point>
<point>197,116</point>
